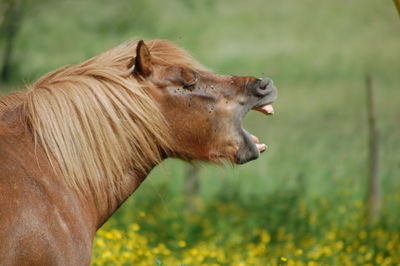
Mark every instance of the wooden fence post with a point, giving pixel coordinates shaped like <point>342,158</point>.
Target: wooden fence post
<point>374,191</point>
<point>397,4</point>
<point>192,187</point>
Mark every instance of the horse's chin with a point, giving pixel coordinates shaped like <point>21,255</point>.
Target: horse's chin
<point>248,150</point>
<point>251,147</point>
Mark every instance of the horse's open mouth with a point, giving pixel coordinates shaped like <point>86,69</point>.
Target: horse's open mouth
<point>251,146</point>
<point>266,109</point>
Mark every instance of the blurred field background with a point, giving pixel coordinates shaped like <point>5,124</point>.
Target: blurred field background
<point>303,201</point>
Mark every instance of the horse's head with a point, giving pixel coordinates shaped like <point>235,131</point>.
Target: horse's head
<point>204,110</point>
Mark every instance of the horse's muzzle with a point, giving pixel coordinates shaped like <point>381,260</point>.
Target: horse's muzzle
<point>263,87</point>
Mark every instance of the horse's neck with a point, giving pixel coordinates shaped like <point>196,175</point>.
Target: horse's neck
<point>10,113</point>
<point>108,206</point>
<point>102,209</point>
<point>11,101</point>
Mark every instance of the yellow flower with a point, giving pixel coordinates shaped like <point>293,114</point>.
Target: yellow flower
<point>331,235</point>
<point>362,235</point>
<point>312,263</point>
<point>265,237</point>
<point>368,256</point>
<point>339,245</point>
<point>327,251</point>
<point>182,243</point>
<point>100,242</point>
<point>299,252</point>
<point>107,254</point>
<point>135,227</point>
<point>194,252</point>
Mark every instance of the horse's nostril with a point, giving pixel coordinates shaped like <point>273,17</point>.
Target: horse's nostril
<point>265,82</point>
<point>264,86</point>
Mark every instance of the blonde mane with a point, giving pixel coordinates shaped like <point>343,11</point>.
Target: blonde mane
<point>97,122</point>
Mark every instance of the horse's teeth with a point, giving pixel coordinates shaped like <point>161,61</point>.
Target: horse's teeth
<point>261,147</point>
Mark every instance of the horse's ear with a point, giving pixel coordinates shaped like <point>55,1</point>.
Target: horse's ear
<point>143,66</point>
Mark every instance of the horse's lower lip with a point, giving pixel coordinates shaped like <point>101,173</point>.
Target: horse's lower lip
<point>265,109</point>
<point>261,147</point>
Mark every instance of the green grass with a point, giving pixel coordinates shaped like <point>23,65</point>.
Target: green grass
<point>318,54</point>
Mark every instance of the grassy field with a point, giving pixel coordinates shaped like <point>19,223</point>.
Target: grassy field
<point>302,202</point>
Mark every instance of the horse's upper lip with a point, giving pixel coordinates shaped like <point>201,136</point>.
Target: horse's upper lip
<point>267,109</point>
<point>264,105</point>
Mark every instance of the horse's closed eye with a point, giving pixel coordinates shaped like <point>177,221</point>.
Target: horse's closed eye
<point>189,78</point>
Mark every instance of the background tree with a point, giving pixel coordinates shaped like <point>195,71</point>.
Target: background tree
<point>10,19</point>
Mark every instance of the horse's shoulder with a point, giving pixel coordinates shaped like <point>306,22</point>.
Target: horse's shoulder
<point>32,213</point>
<point>17,204</point>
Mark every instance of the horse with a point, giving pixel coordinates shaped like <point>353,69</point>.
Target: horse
<point>81,139</point>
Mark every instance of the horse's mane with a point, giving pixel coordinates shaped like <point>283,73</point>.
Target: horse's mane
<point>97,122</point>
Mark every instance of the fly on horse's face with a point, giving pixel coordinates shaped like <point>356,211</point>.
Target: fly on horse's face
<point>205,110</point>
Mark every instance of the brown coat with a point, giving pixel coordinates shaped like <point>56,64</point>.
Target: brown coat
<point>66,145</point>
